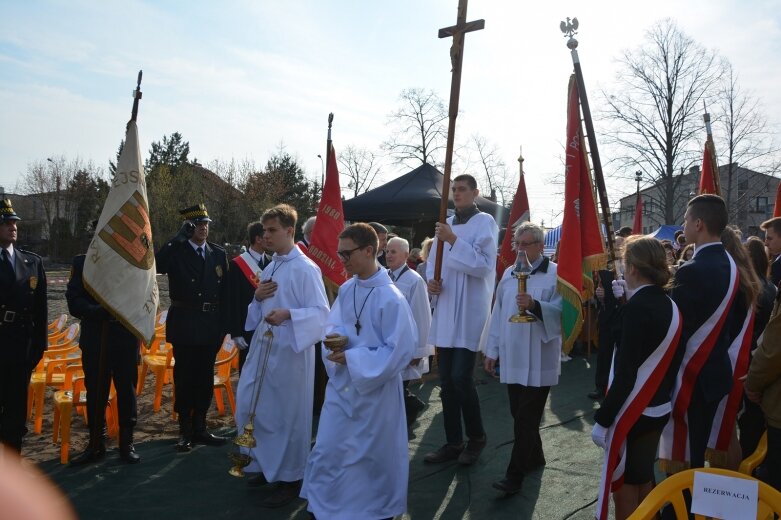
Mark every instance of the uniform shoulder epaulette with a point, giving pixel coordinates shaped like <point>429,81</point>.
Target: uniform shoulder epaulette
<point>217,246</point>
<point>36,255</point>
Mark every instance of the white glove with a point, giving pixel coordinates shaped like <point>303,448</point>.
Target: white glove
<point>240,342</point>
<point>619,288</point>
<point>599,435</point>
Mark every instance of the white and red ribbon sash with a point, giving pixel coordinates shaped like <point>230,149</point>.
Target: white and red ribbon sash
<point>649,376</point>
<point>674,443</point>
<point>249,268</point>
<point>727,412</point>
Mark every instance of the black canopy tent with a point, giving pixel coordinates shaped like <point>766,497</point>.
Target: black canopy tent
<point>411,200</point>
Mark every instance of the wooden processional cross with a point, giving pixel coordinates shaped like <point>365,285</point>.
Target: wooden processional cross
<point>457,31</point>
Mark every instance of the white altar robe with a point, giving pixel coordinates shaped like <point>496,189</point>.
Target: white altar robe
<point>529,353</point>
<point>283,420</point>
<point>468,276</point>
<point>359,466</point>
<point>414,289</point>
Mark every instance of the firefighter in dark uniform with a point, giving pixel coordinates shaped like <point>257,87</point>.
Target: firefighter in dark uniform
<point>197,320</point>
<point>23,326</point>
<point>120,365</point>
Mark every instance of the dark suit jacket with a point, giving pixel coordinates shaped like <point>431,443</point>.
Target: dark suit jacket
<point>775,272</point>
<point>192,283</point>
<point>82,305</point>
<point>26,296</point>
<point>699,287</point>
<point>645,320</point>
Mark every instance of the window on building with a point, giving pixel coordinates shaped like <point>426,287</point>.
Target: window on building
<point>761,204</point>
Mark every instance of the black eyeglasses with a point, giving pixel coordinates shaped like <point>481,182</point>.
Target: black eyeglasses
<point>346,254</point>
<point>521,243</point>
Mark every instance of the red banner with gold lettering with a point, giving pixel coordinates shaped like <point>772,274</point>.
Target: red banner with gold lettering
<point>329,223</point>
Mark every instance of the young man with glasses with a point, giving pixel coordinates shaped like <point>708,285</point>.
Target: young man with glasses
<point>529,352</point>
<point>359,466</point>
<point>463,301</point>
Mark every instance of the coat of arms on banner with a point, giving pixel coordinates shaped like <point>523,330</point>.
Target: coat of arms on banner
<point>129,233</point>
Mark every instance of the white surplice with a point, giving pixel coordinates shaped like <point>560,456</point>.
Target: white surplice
<point>529,353</point>
<point>283,420</point>
<point>414,289</point>
<point>359,466</point>
<point>468,274</point>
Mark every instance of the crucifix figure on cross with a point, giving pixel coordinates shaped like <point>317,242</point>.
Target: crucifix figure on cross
<point>457,31</point>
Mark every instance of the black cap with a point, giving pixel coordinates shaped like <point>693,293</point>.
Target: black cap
<point>7,212</point>
<point>196,213</point>
<point>378,228</point>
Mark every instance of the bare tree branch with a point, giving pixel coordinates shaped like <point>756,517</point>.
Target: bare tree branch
<point>419,128</point>
<point>358,165</point>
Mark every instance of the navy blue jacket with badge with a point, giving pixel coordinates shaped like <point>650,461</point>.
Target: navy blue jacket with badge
<point>199,313</point>
<point>23,307</point>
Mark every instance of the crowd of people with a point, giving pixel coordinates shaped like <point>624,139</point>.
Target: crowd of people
<point>675,320</point>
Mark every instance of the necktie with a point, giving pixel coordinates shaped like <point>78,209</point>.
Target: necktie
<point>7,268</point>
<point>199,250</point>
<point>390,273</point>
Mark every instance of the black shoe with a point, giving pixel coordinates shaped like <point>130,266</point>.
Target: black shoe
<point>508,486</point>
<point>444,454</point>
<point>257,480</point>
<point>285,493</point>
<point>90,455</point>
<point>472,451</point>
<point>596,394</point>
<point>184,444</point>
<point>129,455</point>
<point>201,435</point>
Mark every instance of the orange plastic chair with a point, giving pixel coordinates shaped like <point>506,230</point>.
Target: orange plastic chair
<point>222,378</point>
<point>152,349</point>
<point>58,324</point>
<point>751,462</point>
<point>50,372</point>
<point>64,336</point>
<point>161,364</point>
<point>671,491</point>
<point>74,395</point>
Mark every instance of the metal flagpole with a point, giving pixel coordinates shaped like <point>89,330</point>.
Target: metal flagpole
<point>569,28</point>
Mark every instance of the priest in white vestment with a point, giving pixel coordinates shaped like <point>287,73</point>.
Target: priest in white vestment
<point>359,466</point>
<point>290,302</point>
<point>412,286</point>
<point>461,309</point>
<point>529,353</point>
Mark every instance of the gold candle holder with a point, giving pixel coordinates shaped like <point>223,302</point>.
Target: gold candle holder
<point>521,316</point>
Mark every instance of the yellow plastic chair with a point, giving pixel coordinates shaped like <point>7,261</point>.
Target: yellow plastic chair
<point>222,377</point>
<point>671,491</point>
<point>50,372</point>
<point>74,395</point>
<point>751,462</point>
<point>58,324</point>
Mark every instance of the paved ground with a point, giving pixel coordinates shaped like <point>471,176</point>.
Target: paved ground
<point>197,485</point>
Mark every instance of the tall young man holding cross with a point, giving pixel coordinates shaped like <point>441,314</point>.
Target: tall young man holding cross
<point>463,302</point>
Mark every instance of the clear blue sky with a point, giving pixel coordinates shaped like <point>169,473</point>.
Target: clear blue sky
<point>237,78</point>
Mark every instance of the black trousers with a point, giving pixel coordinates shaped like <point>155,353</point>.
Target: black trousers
<point>773,458</point>
<point>459,395</point>
<point>14,380</point>
<point>700,418</point>
<point>605,351</point>
<point>121,367</point>
<point>194,378</point>
<point>752,425</point>
<point>527,404</point>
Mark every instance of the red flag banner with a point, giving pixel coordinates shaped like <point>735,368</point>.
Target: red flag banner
<point>328,225</point>
<point>518,213</point>
<point>581,249</point>
<point>637,225</point>
<point>709,176</point>
<point>777,206</point>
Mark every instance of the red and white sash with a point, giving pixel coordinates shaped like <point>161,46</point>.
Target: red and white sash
<point>727,412</point>
<point>649,376</point>
<point>249,268</point>
<point>674,445</point>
